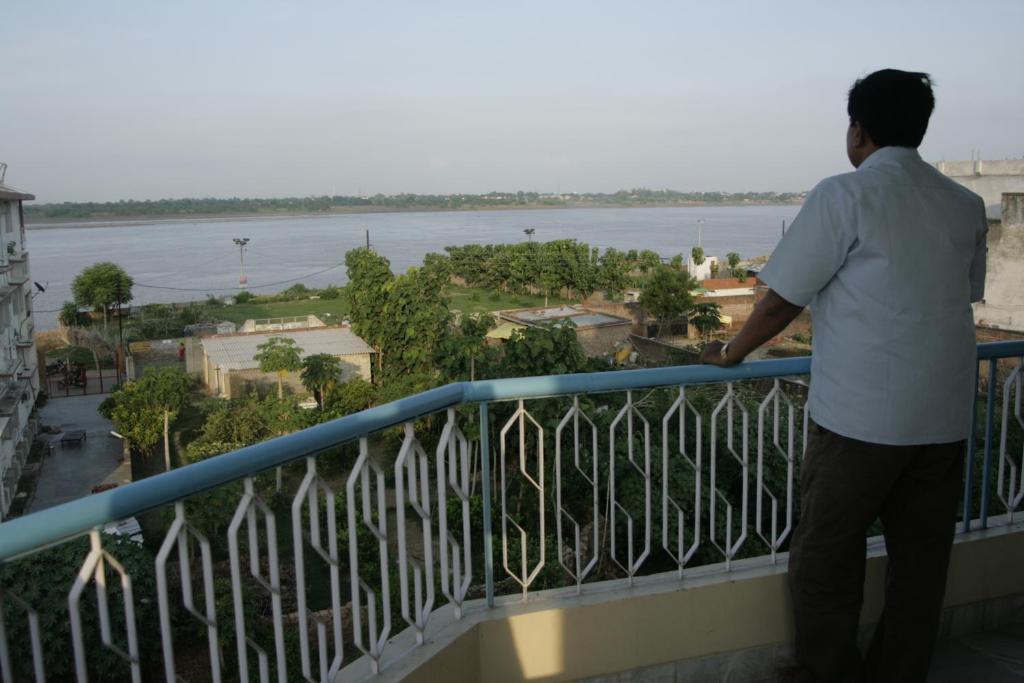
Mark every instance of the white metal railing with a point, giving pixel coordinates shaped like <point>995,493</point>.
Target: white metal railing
<point>638,472</point>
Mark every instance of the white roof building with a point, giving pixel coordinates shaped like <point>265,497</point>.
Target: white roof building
<point>227,356</point>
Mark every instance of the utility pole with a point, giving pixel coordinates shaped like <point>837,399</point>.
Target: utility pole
<point>783,227</point>
<point>700,231</point>
<point>120,334</point>
<point>368,238</point>
<point>241,242</point>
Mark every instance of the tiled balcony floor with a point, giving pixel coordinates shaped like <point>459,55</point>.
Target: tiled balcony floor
<point>992,657</point>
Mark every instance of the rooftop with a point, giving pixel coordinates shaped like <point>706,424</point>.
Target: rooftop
<point>729,283</point>
<point>236,351</point>
<point>9,193</point>
<point>581,317</point>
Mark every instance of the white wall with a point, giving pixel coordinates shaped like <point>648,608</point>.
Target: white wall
<point>1003,306</point>
<point>703,271</point>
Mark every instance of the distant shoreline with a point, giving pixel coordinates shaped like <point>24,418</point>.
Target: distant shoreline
<point>142,220</point>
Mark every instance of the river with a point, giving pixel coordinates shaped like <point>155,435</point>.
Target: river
<point>178,260</point>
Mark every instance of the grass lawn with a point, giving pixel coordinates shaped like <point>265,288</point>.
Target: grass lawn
<point>464,299</point>
<point>328,310</point>
<point>471,300</point>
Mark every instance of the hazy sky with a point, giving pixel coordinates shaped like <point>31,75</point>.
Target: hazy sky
<point>127,99</point>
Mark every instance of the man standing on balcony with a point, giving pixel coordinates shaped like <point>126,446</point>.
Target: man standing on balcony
<point>889,257</point>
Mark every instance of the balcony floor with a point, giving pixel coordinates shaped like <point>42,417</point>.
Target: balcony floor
<point>991,656</point>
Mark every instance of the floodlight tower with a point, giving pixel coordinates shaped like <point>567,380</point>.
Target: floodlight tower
<point>241,242</point>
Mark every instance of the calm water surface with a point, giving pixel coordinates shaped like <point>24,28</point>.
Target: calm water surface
<point>199,258</point>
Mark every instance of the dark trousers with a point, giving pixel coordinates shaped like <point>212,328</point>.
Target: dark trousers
<point>845,486</point>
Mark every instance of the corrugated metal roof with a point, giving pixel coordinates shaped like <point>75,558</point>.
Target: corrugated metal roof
<point>235,352</point>
<point>10,193</point>
<point>582,317</point>
<point>504,330</point>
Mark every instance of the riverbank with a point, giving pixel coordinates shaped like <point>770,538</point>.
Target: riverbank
<point>32,223</point>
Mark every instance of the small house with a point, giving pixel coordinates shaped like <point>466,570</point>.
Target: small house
<point>229,368</point>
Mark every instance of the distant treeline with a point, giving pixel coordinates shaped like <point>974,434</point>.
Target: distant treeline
<point>402,202</point>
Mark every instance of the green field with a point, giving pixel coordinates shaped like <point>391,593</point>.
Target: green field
<point>463,299</point>
<point>471,300</point>
<point>328,310</point>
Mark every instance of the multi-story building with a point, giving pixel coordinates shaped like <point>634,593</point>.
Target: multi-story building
<point>19,371</point>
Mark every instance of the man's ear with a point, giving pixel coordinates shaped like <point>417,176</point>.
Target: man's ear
<point>862,138</point>
<point>858,133</point>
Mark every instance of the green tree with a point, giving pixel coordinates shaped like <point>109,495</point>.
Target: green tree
<point>697,253</point>
<point>68,316</point>
<point>733,259</point>
<point>368,275</point>
<point>100,286</point>
<point>280,355</point>
<point>550,350</point>
<point>707,318</point>
<point>613,274</point>
<point>551,273</point>
<point>42,580</point>
<point>414,319</point>
<point>134,417</point>
<point>167,389</point>
<point>351,397</point>
<point>648,260</point>
<point>734,265</point>
<point>668,294</point>
<point>143,410</point>
<point>320,374</point>
<point>461,352</point>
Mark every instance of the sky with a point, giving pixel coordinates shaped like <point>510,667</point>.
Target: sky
<point>142,100</point>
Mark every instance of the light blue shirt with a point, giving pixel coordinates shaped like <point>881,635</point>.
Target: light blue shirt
<point>889,258</point>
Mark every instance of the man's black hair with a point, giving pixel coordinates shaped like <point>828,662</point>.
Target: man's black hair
<point>892,106</point>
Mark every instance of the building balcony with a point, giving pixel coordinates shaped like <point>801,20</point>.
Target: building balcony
<point>12,396</point>
<point>628,525</point>
<point>18,274</point>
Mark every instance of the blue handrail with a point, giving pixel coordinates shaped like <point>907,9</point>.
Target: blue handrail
<point>50,526</point>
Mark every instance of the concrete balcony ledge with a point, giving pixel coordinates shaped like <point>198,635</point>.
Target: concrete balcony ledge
<point>711,625</point>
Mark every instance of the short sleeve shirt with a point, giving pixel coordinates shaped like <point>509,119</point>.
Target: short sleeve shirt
<point>889,258</point>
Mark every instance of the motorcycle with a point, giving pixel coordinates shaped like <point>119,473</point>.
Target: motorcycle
<point>58,368</point>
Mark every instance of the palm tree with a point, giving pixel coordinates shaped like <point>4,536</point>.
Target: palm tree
<point>279,355</point>
<point>320,374</point>
<point>707,318</point>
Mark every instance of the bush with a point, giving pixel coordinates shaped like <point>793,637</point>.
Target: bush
<point>243,297</point>
<point>295,292</point>
<point>494,296</point>
<point>330,292</point>
<point>69,315</point>
<point>43,580</point>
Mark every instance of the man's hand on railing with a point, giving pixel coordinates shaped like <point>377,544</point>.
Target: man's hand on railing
<point>712,355</point>
<point>769,318</point>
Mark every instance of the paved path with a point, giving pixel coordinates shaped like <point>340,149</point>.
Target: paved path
<point>72,470</point>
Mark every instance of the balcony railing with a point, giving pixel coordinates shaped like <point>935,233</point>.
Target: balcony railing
<point>450,497</point>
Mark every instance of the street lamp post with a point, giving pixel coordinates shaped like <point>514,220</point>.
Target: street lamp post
<point>700,231</point>
<point>241,242</point>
